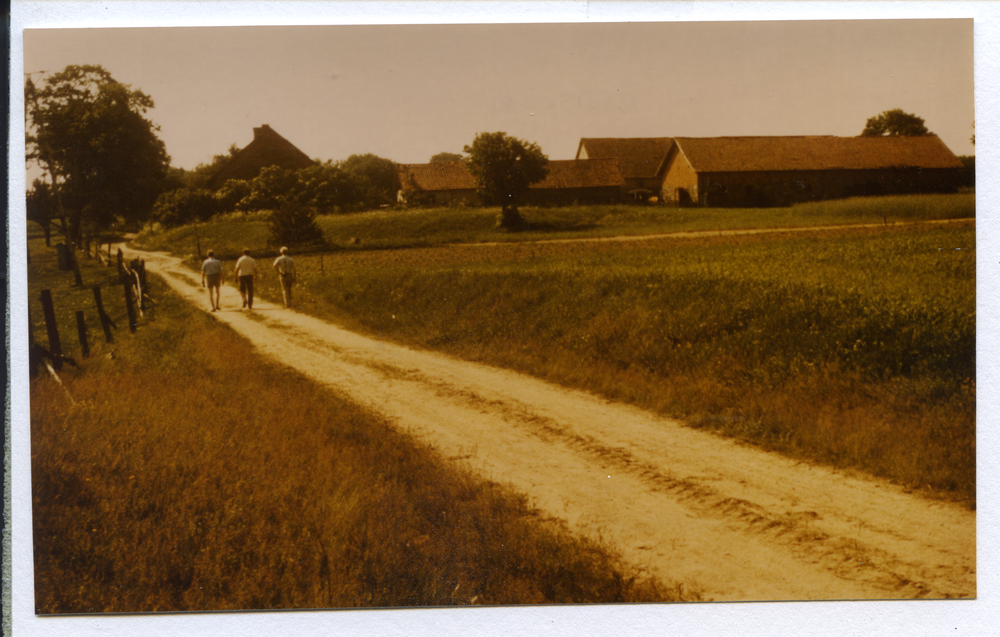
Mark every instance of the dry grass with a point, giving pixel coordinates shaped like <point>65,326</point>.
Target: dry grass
<point>192,475</point>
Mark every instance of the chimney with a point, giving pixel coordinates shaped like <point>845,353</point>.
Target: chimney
<point>257,132</point>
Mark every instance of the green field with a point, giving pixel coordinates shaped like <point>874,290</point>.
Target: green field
<point>399,228</point>
<point>851,347</point>
<point>173,473</point>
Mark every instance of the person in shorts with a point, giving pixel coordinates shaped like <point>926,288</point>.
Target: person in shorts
<point>211,273</point>
<point>285,267</point>
<point>246,271</point>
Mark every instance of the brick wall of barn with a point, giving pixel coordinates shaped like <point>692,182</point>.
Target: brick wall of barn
<point>781,188</point>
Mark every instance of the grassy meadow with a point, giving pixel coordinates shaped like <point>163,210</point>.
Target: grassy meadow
<point>184,477</point>
<point>854,348</point>
<point>403,228</point>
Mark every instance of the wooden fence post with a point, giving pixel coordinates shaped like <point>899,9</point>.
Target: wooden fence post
<point>81,330</point>
<point>106,321</point>
<point>130,306</point>
<point>55,347</point>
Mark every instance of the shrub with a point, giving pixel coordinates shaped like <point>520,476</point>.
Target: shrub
<point>294,225</point>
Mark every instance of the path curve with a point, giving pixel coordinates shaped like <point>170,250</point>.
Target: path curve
<point>729,521</point>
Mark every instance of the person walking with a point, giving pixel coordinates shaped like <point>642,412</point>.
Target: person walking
<point>285,267</point>
<point>211,271</point>
<point>246,271</point>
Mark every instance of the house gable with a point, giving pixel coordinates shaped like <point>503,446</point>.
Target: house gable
<point>638,157</point>
<point>268,148</point>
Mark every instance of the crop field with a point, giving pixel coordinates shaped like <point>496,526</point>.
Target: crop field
<point>174,473</point>
<point>852,347</point>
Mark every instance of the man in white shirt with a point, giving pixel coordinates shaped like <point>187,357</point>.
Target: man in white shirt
<point>246,271</point>
<point>285,267</point>
<point>211,270</point>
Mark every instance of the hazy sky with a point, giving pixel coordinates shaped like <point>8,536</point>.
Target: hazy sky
<point>408,92</point>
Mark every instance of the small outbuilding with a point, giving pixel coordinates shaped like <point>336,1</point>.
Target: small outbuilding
<point>268,148</point>
<point>569,181</point>
<point>639,159</point>
<point>775,171</point>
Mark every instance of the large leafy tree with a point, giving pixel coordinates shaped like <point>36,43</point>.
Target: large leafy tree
<point>504,167</point>
<point>90,134</point>
<point>375,177</point>
<point>443,157</point>
<point>895,122</point>
<point>326,188</point>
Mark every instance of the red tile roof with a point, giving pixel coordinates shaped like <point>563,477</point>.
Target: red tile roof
<point>639,157</point>
<point>571,173</point>
<point>445,175</point>
<point>753,154</point>
<point>582,173</point>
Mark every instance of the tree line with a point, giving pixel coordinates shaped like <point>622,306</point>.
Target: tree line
<point>104,165</point>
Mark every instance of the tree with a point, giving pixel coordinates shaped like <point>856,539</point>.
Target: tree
<point>323,187</point>
<point>41,207</point>
<point>198,176</point>
<point>184,205</point>
<point>504,167</point>
<point>441,157</point>
<point>895,123</point>
<point>375,176</point>
<point>90,134</point>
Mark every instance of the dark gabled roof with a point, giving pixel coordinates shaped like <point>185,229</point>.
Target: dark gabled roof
<point>758,154</point>
<point>445,175</point>
<point>268,148</point>
<point>582,173</point>
<point>639,157</point>
<point>570,173</point>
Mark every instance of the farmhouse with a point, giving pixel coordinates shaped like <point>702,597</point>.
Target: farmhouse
<point>568,181</point>
<point>639,158</point>
<point>774,171</point>
<point>268,148</point>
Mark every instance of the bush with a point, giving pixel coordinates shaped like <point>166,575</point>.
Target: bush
<point>182,206</point>
<point>294,225</point>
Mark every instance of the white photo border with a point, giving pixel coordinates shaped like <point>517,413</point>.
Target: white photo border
<point>959,617</point>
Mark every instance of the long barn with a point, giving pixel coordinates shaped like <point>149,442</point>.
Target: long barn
<point>775,171</point>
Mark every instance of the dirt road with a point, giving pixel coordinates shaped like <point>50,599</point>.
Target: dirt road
<point>729,521</point>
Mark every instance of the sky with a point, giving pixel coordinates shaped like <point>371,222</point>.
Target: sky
<point>407,92</point>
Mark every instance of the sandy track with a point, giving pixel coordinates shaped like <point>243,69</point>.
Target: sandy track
<point>729,521</point>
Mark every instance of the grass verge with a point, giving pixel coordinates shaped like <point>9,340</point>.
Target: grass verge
<point>191,475</point>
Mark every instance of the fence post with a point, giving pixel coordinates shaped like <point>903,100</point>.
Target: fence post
<point>105,319</point>
<point>130,306</point>
<point>81,330</point>
<point>55,347</point>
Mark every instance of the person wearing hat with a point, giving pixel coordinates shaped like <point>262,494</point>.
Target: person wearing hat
<point>285,267</point>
